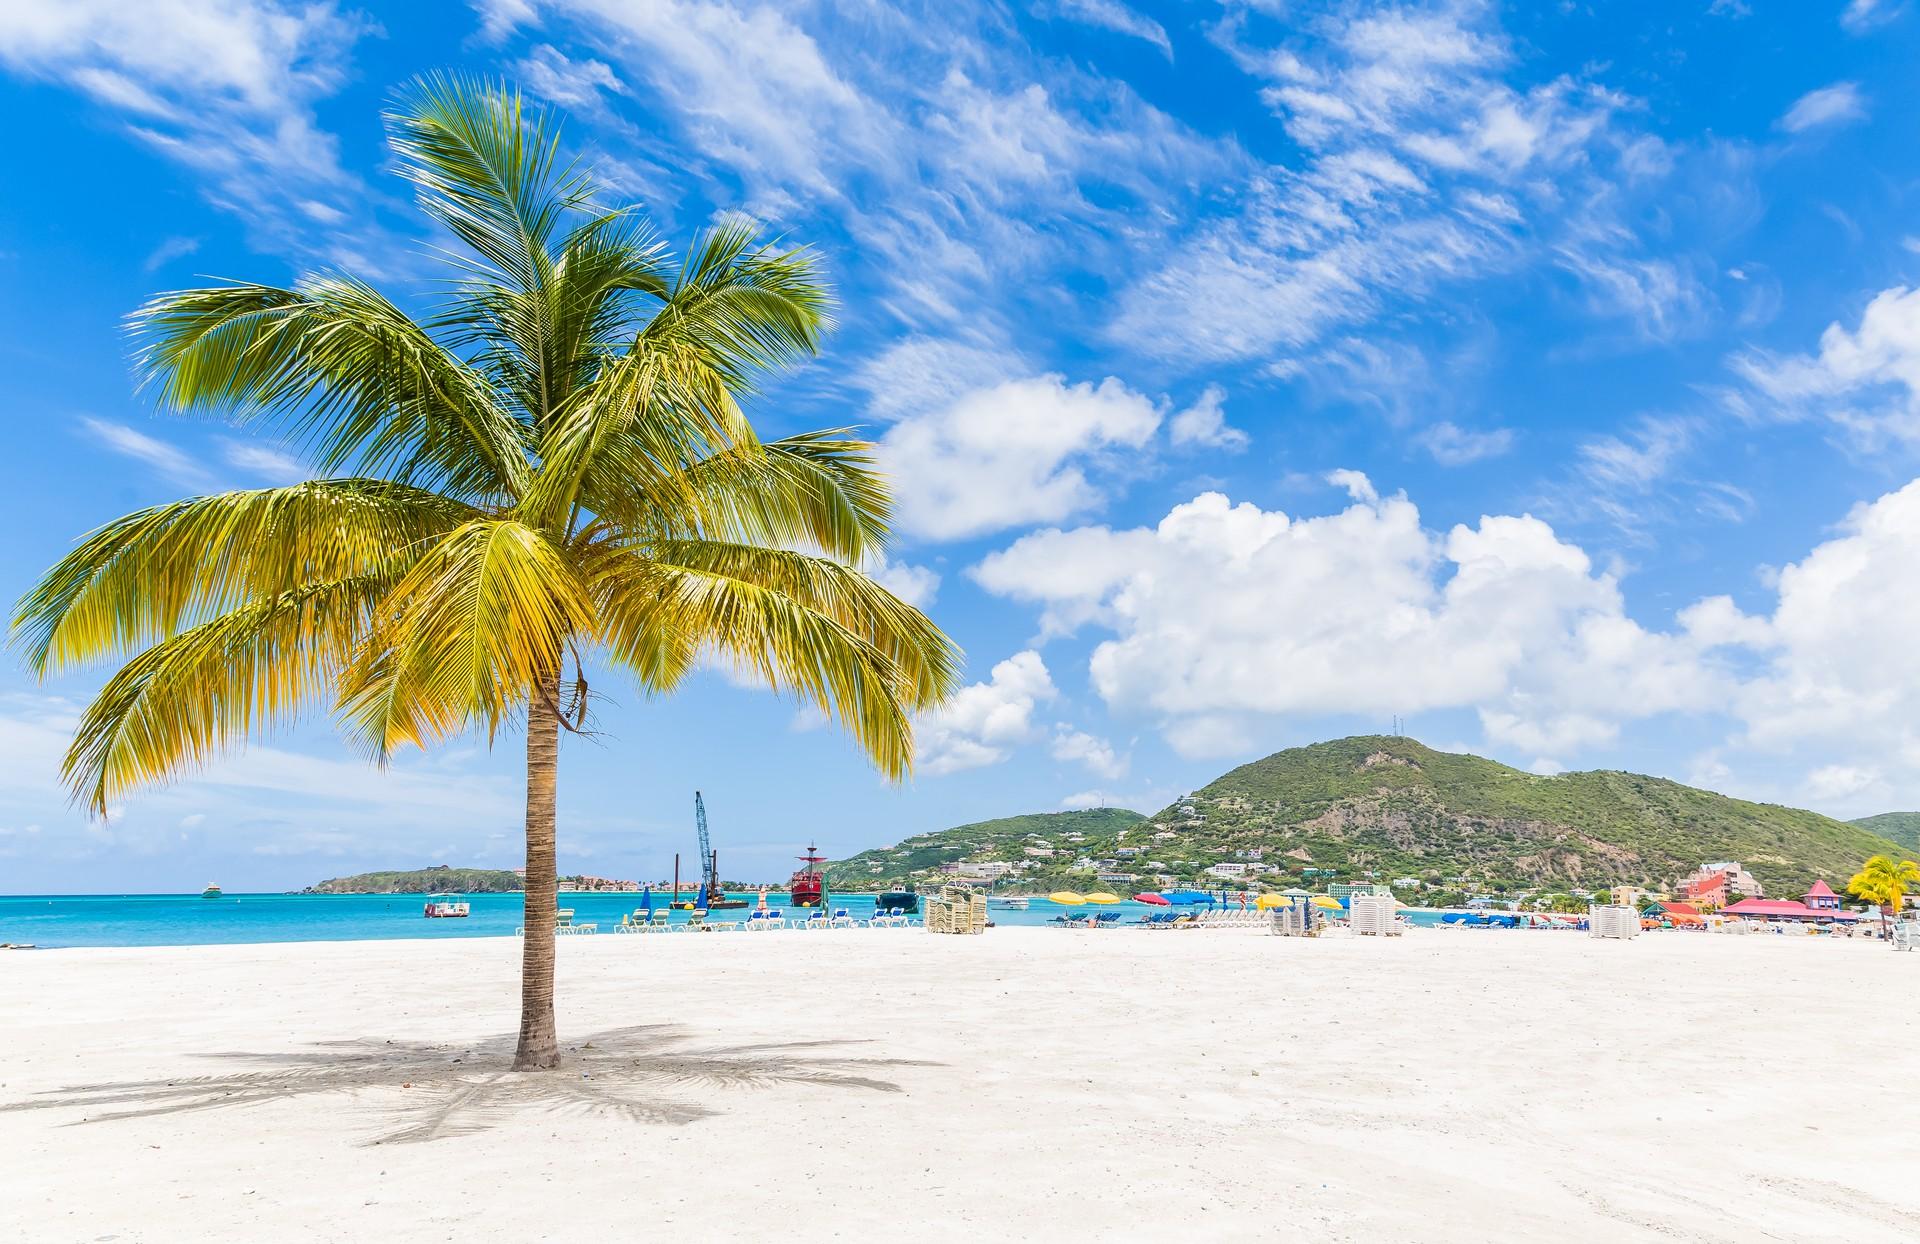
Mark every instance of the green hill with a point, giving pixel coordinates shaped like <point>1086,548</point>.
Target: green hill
<point>424,881</point>
<point>1901,828</point>
<point>1389,807</point>
<point>920,857</point>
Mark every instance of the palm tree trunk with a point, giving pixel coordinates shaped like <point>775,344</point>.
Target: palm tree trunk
<point>539,1049</point>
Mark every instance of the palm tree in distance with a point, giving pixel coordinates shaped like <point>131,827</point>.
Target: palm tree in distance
<point>550,474</point>
<point>1885,882</point>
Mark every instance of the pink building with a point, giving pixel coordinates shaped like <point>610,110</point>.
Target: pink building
<point>1822,898</point>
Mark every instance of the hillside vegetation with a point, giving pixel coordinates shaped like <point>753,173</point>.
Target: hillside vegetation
<point>1902,828</point>
<point>423,881</point>
<point>920,856</point>
<point>1389,807</point>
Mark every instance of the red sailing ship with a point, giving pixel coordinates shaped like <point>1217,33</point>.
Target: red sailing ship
<point>808,889</point>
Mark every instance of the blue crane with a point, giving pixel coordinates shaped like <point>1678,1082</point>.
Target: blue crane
<point>709,862</point>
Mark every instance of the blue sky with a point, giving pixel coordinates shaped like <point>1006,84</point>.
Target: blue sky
<point>1251,373</point>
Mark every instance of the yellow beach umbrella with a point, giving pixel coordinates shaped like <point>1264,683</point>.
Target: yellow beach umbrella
<point>1331,904</point>
<point>1101,896</point>
<point>1066,898</point>
<point>1266,901</point>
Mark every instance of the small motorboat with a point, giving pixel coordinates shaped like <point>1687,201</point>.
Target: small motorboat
<point>212,891</point>
<point>899,898</point>
<point>1017,903</point>
<point>447,907</point>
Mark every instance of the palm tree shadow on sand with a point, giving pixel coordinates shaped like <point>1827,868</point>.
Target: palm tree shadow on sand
<point>638,1073</point>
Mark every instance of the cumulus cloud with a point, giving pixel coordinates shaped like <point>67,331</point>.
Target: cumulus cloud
<point>1205,423</point>
<point>1354,612</point>
<point>1095,753</point>
<point>917,585</point>
<point>1025,451</point>
<point>1866,380</point>
<point>1365,611</point>
<point>1824,108</point>
<point>985,721</point>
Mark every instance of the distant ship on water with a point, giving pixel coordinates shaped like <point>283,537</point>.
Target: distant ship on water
<point>212,891</point>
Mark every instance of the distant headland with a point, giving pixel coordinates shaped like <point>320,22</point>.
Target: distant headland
<point>459,880</point>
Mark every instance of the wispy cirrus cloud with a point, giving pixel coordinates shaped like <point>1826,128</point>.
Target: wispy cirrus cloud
<point>1825,108</point>
<point>226,88</point>
<point>167,460</point>
<point>1115,16</point>
<point>1424,159</point>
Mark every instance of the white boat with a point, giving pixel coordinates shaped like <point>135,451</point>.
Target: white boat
<point>1017,904</point>
<point>446,906</point>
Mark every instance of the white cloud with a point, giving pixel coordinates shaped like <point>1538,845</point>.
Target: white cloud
<point>1025,451</point>
<point>1866,380</point>
<point>1363,611</point>
<point>917,585</point>
<point>270,464</point>
<point>1420,164</point>
<point>168,251</point>
<point>1452,445</point>
<point>1366,612</point>
<point>225,87</point>
<point>1354,483</point>
<point>169,461</point>
<point>1095,753</point>
<point>577,85</point>
<point>1860,16</point>
<point>1117,17</point>
<point>984,721</point>
<point>1826,107</point>
<point>1205,423</point>
<point>960,169</point>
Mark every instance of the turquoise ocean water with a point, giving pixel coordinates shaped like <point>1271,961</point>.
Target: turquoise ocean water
<point>189,920</point>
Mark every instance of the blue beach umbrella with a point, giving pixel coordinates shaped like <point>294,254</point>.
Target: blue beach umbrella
<point>646,900</point>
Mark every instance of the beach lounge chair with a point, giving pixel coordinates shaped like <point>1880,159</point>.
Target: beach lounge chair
<point>1106,920</point>
<point>843,919</point>
<point>696,922</point>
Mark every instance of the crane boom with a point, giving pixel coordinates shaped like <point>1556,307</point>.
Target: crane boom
<point>709,866</point>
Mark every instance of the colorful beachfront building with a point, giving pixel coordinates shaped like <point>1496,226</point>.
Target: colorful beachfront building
<point>1786,909</point>
<point>1821,897</point>
<point>1715,885</point>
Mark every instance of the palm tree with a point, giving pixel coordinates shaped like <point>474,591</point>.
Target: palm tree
<point>1885,882</point>
<point>549,475</point>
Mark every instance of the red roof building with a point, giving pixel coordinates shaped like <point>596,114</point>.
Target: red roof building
<point>1708,889</point>
<point>1784,909</point>
<point>1822,898</point>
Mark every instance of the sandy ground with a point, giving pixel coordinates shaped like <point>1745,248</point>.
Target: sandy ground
<point>1029,1084</point>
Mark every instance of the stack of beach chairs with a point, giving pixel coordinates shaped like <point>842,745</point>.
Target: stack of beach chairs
<point>1373,915</point>
<point>1299,919</point>
<point>957,910</point>
<point>1610,921</point>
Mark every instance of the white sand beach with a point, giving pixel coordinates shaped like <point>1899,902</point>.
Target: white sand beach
<point>1028,1084</point>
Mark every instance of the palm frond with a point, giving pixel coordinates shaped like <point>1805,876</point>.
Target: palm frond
<point>481,620</point>
<point>198,692</point>
<point>658,620</point>
<point>344,372</point>
<point>488,169</point>
<point>818,489</point>
<point>144,577</point>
